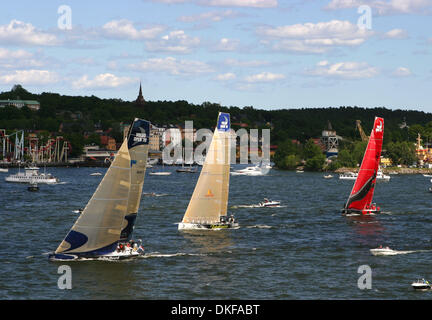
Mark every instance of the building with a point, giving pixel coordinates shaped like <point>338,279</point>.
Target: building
<point>140,99</point>
<point>330,141</point>
<point>31,104</point>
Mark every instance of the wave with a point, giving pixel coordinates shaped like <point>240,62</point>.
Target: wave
<point>155,194</point>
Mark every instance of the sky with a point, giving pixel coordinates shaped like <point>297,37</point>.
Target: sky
<point>269,54</point>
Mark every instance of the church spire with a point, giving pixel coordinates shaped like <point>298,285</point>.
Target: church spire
<point>140,100</point>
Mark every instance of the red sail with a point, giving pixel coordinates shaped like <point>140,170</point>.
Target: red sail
<point>363,190</point>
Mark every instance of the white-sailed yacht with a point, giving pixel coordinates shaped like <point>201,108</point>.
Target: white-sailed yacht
<point>208,206</point>
<point>103,231</point>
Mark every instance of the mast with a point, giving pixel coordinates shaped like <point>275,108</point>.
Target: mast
<point>209,200</point>
<point>362,192</point>
<point>111,212</point>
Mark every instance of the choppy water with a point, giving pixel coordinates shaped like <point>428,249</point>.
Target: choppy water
<point>303,250</point>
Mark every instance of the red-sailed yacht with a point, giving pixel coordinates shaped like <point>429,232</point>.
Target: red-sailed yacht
<point>360,199</point>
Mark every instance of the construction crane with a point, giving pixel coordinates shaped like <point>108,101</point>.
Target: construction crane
<point>363,135</point>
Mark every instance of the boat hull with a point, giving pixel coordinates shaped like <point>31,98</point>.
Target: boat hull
<point>113,256</point>
<point>360,212</point>
<point>211,226</point>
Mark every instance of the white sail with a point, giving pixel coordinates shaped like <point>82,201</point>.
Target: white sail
<point>210,198</point>
<point>110,214</point>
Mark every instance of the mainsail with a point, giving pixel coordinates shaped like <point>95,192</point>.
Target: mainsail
<point>111,212</point>
<point>364,186</point>
<point>210,198</point>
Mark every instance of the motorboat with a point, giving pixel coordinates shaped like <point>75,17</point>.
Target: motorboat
<point>31,174</point>
<point>249,171</point>
<point>269,203</point>
<point>421,285</point>
<point>4,170</point>
<point>329,176</point>
<point>33,186</point>
<point>382,176</point>
<point>386,251</point>
<point>348,176</point>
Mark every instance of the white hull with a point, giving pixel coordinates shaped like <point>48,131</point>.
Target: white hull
<point>159,173</point>
<point>4,170</point>
<point>269,204</point>
<point>37,179</point>
<point>199,226</point>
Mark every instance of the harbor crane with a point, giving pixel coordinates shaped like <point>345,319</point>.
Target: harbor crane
<point>363,135</point>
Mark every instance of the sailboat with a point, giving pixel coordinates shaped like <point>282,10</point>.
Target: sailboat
<point>160,173</point>
<point>104,228</point>
<point>186,170</point>
<point>208,206</point>
<point>360,199</point>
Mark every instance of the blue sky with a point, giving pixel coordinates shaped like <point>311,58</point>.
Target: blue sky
<point>270,54</point>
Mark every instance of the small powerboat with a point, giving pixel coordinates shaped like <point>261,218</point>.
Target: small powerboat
<point>329,176</point>
<point>269,203</point>
<point>383,251</point>
<point>33,186</point>
<point>421,285</point>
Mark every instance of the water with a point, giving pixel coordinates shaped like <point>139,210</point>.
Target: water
<point>303,250</point>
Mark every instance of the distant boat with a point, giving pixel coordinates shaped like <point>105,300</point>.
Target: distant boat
<point>348,176</point>
<point>269,203</point>
<point>33,186</point>
<point>104,229</point>
<point>184,169</point>
<point>329,176</point>
<point>421,285</point>
<point>160,173</point>
<point>208,206</point>
<point>31,174</point>
<point>4,170</point>
<point>96,174</point>
<point>360,199</point>
<point>427,175</point>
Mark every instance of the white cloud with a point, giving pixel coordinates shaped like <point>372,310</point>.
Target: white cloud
<point>227,3</point>
<point>18,59</point>
<point>395,34</point>
<point>172,66</point>
<point>226,76</point>
<point>29,77</point>
<point>242,3</point>
<point>102,81</point>
<point>244,63</point>
<point>264,77</point>
<point>21,33</point>
<point>124,29</point>
<point>344,70</point>
<point>176,42</point>
<point>402,72</point>
<point>213,16</point>
<point>314,37</point>
<point>226,44</point>
<point>384,7</point>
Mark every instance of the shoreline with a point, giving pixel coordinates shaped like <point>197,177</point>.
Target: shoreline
<point>389,170</point>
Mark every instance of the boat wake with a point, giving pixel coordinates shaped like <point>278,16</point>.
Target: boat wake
<point>169,255</point>
<point>256,206</point>
<point>391,252</point>
<point>152,194</point>
<point>260,226</point>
